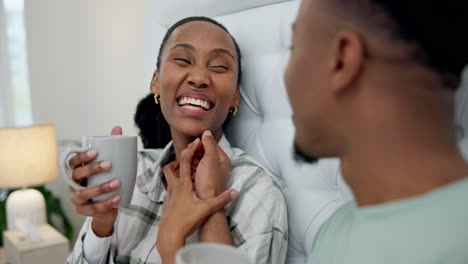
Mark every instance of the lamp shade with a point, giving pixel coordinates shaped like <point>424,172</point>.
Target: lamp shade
<point>28,156</point>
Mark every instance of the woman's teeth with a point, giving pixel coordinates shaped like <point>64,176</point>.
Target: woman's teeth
<point>192,103</point>
<point>191,107</point>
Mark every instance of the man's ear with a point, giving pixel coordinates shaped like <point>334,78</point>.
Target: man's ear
<point>347,60</point>
<point>154,86</point>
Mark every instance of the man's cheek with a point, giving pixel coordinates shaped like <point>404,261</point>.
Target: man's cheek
<point>289,79</point>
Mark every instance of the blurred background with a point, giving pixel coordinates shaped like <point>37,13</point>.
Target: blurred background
<point>81,65</point>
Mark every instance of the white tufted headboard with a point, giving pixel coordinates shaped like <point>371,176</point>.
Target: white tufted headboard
<point>263,126</point>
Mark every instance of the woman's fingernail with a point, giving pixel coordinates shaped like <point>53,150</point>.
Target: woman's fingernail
<point>234,194</point>
<point>105,164</point>
<point>208,133</point>
<point>91,153</point>
<point>196,140</point>
<point>114,183</point>
<point>116,199</point>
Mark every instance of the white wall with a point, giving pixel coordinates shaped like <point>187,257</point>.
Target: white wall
<point>89,64</point>
<point>87,58</point>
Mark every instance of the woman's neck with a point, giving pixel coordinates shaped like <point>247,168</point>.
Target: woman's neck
<point>180,141</point>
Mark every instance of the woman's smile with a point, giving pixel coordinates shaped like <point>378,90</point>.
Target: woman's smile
<point>194,104</point>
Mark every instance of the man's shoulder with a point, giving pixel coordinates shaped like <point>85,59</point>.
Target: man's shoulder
<point>422,229</point>
<point>339,222</point>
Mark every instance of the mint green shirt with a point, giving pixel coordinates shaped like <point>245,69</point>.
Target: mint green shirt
<point>431,228</point>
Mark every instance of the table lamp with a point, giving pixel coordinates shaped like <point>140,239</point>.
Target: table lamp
<point>28,157</point>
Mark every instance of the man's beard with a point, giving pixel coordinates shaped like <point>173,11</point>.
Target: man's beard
<point>301,157</point>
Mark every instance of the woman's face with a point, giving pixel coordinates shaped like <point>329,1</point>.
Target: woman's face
<point>197,80</point>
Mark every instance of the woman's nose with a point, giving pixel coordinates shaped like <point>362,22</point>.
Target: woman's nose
<point>199,78</point>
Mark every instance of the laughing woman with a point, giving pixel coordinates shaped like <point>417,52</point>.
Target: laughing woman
<point>186,191</point>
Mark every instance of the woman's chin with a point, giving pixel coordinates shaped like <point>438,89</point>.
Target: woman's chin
<point>194,132</point>
<point>192,129</point>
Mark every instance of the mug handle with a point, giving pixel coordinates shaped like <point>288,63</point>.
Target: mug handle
<point>65,169</point>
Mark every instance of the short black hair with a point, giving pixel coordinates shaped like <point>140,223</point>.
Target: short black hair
<point>436,27</point>
<point>155,132</point>
<point>205,19</point>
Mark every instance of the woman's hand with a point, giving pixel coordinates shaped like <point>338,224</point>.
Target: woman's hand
<point>211,178</point>
<point>103,213</point>
<point>183,210</point>
<point>212,172</point>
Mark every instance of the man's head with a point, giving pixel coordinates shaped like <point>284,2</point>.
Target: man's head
<point>351,58</point>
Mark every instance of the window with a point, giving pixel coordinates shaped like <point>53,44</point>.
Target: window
<point>17,101</point>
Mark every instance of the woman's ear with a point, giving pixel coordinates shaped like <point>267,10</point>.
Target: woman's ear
<point>347,60</point>
<point>154,86</point>
<point>236,100</point>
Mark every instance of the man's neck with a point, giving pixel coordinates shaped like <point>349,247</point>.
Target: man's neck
<point>376,181</point>
<point>400,143</point>
<point>396,166</point>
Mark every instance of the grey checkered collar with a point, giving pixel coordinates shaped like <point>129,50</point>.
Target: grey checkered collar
<point>153,185</point>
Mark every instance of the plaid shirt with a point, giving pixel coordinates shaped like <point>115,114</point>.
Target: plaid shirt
<point>257,218</point>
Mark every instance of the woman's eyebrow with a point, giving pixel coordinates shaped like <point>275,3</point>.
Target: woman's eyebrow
<point>184,46</point>
<point>223,51</point>
<point>217,51</point>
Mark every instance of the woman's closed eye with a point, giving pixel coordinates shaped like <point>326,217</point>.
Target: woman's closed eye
<point>182,61</point>
<point>219,68</point>
<point>220,64</point>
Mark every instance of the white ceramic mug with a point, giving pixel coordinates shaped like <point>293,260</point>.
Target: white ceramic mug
<point>211,253</point>
<point>121,151</point>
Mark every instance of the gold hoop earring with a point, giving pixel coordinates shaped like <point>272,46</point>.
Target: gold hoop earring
<point>157,98</point>
<point>233,110</point>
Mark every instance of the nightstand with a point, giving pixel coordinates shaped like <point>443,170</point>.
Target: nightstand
<point>3,259</point>
<point>53,247</point>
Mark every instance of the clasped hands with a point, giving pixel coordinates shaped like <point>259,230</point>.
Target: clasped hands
<point>186,207</point>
